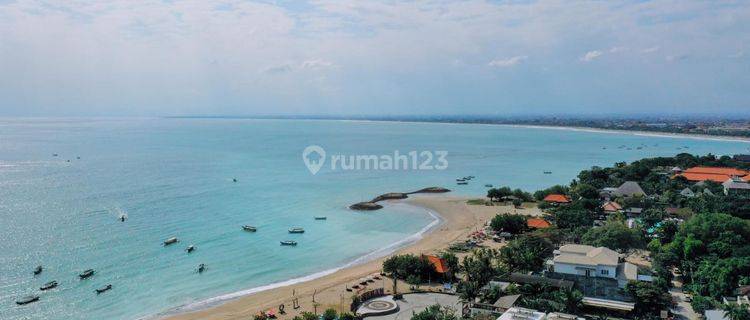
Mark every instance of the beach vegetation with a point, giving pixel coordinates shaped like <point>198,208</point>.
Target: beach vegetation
<point>556,189</point>
<point>614,235</point>
<point>407,265</point>
<point>545,298</point>
<point>347,316</point>
<point>526,253</point>
<point>511,223</point>
<point>329,314</point>
<point>307,315</point>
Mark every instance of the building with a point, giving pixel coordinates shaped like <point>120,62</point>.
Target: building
<point>591,262</point>
<point>557,198</point>
<point>522,314</point>
<point>538,223</point>
<point>611,207</point>
<point>742,158</point>
<point>735,185</point>
<point>715,174</point>
<point>687,193</point>
<point>626,190</point>
<point>440,265</point>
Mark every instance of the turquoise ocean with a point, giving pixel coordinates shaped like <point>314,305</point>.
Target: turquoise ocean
<point>173,177</point>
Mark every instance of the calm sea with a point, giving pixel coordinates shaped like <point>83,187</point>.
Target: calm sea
<point>173,177</point>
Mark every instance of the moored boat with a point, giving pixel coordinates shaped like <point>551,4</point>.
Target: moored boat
<point>27,300</point>
<point>296,230</point>
<point>488,185</point>
<point>87,273</point>
<point>288,243</point>
<point>190,248</point>
<point>462,183</point>
<point>171,240</point>
<point>249,228</point>
<point>321,217</point>
<point>201,268</point>
<point>48,285</point>
<point>104,289</point>
<point>38,270</point>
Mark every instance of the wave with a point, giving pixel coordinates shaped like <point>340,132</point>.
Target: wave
<point>384,251</point>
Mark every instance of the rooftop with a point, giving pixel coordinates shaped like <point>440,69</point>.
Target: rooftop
<point>557,198</point>
<point>538,223</point>
<point>587,255</point>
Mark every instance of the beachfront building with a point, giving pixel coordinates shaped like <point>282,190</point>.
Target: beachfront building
<point>557,199</point>
<point>522,313</point>
<point>537,223</point>
<point>611,207</point>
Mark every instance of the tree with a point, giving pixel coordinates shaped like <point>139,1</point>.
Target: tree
<point>435,312</point>
<point>347,316</point>
<point>513,223</point>
<point>451,261</point>
<point>526,253</point>
<point>649,299</point>
<point>497,194</point>
<point>700,304</point>
<point>572,299</point>
<point>614,235</point>
<point>735,311</point>
<point>307,315</point>
<point>572,216</point>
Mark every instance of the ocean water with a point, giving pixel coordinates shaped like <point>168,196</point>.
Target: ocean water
<point>173,177</point>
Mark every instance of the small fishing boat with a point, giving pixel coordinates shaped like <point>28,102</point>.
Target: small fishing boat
<point>249,228</point>
<point>547,172</point>
<point>104,289</point>
<point>123,217</point>
<point>488,186</point>
<point>37,270</point>
<point>201,268</point>
<point>462,183</point>
<point>288,243</point>
<point>460,180</point>
<point>169,241</point>
<point>54,154</point>
<point>87,273</point>
<point>234,179</point>
<point>27,300</point>
<point>472,177</point>
<point>296,230</point>
<point>321,218</point>
<point>48,285</point>
<point>190,248</point>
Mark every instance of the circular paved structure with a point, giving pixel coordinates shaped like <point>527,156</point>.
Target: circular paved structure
<point>378,307</point>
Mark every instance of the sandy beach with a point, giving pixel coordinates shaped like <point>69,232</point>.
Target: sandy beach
<point>459,220</point>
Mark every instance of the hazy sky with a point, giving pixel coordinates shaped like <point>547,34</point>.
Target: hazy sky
<point>133,57</point>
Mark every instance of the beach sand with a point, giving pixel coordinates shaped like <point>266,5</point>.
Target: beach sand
<point>459,220</point>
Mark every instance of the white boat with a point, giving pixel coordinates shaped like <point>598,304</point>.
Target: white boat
<point>169,241</point>
<point>288,243</point>
<point>296,230</point>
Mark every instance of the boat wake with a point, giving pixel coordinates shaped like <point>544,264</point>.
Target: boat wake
<point>393,247</point>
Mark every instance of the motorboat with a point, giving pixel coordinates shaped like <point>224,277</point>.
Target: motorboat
<point>38,270</point>
<point>169,241</point>
<point>462,183</point>
<point>288,243</point>
<point>104,289</point>
<point>86,274</point>
<point>48,285</point>
<point>321,218</point>
<point>27,300</point>
<point>488,186</point>
<point>547,172</point>
<point>249,228</point>
<point>201,268</point>
<point>296,230</point>
<point>190,248</point>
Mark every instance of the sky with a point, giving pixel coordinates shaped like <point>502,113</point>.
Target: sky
<point>336,57</point>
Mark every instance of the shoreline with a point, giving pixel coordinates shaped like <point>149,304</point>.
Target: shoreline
<point>455,220</point>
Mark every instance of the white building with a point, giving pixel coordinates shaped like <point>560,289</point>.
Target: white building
<point>601,262</point>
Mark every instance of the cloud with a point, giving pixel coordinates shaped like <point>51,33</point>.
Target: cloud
<point>617,49</point>
<point>508,62</point>
<point>737,55</point>
<point>316,64</point>
<point>650,50</point>
<point>312,65</point>
<point>591,55</point>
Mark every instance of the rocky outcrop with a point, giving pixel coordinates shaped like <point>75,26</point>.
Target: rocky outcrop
<point>372,204</point>
<point>365,206</point>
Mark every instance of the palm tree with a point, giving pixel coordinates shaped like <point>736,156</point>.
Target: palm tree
<point>573,300</point>
<point>735,311</point>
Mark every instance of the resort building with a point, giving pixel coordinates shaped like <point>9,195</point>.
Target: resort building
<point>522,313</point>
<point>611,207</point>
<point>715,174</point>
<point>557,198</point>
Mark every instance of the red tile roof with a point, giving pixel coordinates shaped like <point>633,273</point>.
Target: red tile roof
<point>557,198</point>
<point>438,262</point>
<point>696,177</point>
<point>718,170</point>
<point>538,223</point>
<point>611,206</point>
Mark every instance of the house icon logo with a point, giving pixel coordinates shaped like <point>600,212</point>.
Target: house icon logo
<point>314,157</point>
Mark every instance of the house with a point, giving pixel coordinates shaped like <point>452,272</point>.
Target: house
<point>592,262</point>
<point>687,193</point>
<point>630,189</point>
<point>626,190</point>
<point>633,211</point>
<point>735,185</point>
<point>538,223</point>
<point>611,207</point>
<point>522,313</point>
<point>557,198</point>
<point>715,174</point>
<point>440,265</point>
